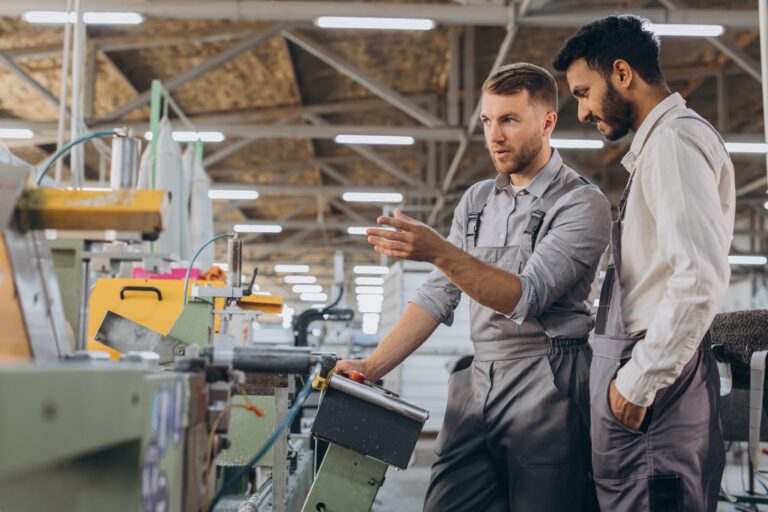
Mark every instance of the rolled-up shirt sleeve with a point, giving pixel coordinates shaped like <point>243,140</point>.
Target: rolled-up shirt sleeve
<point>573,245</point>
<point>438,296</point>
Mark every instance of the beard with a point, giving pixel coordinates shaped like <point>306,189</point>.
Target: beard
<point>521,157</point>
<point>618,114</point>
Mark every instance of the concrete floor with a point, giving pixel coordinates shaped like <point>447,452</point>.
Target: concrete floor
<point>403,491</point>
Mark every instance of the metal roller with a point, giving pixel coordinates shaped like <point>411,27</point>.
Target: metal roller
<point>378,397</point>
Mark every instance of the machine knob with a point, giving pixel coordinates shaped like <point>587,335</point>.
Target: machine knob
<point>357,377</point>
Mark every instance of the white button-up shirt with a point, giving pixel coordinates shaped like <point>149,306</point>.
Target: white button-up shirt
<point>675,242</point>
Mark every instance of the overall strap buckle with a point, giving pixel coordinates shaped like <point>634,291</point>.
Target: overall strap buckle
<point>534,225</point>
<point>473,227</point>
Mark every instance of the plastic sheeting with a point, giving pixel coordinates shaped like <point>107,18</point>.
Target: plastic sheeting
<point>169,176</point>
<point>200,209</point>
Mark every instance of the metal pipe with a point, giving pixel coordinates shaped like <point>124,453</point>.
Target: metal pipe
<point>63,93</point>
<point>234,261</point>
<point>126,156</point>
<point>379,398</point>
<point>78,71</point>
<point>763,16</point>
<point>271,360</point>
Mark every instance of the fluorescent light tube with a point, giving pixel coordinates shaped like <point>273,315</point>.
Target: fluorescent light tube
<point>300,279</point>
<point>182,136</point>
<point>299,269</point>
<point>371,318</point>
<point>366,23</point>
<point>370,328</point>
<point>224,193</point>
<point>372,197</point>
<point>258,228</point>
<point>369,308</point>
<point>743,259</point>
<point>369,281</point>
<point>307,288</point>
<point>370,269</point>
<point>746,147</point>
<point>685,30</point>
<point>317,306</point>
<point>576,143</point>
<point>765,205</point>
<point>16,133</point>
<point>369,290</point>
<point>389,140</point>
<point>313,297</point>
<point>113,18</point>
<point>90,17</point>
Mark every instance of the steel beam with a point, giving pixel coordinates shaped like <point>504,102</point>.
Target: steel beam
<point>214,62</point>
<point>335,174</point>
<point>8,63</point>
<point>446,14</point>
<point>379,89</point>
<point>454,74</point>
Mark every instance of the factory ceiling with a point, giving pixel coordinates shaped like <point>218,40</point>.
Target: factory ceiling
<point>281,88</point>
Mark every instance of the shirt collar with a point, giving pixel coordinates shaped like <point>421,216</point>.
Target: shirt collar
<point>672,101</point>
<point>540,183</point>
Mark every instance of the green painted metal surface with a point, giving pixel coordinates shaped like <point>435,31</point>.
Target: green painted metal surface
<point>86,438</point>
<point>67,263</point>
<point>194,326</point>
<point>346,482</point>
<point>248,433</point>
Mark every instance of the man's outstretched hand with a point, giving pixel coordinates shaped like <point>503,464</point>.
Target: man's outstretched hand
<point>414,240</point>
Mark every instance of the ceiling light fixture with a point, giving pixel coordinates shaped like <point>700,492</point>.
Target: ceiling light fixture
<point>746,147</point>
<point>369,281</point>
<point>299,269</point>
<point>232,193</point>
<point>372,197</point>
<point>182,136</point>
<point>576,143</point>
<point>307,288</point>
<point>387,140</point>
<point>300,279</point>
<point>685,30</point>
<point>16,133</point>
<point>743,259</point>
<point>369,290</point>
<point>370,269</point>
<point>257,228</point>
<point>371,23</point>
<point>313,297</point>
<point>90,17</point>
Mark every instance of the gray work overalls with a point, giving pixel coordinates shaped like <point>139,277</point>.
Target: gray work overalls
<point>515,437</point>
<point>675,461</point>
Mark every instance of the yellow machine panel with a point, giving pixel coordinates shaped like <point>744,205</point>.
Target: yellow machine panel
<point>264,303</point>
<point>14,345</point>
<point>139,211</point>
<point>156,310</point>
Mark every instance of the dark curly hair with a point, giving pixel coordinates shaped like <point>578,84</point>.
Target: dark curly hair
<point>606,40</point>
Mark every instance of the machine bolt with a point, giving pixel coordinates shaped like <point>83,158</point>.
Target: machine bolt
<point>179,350</point>
<point>372,482</point>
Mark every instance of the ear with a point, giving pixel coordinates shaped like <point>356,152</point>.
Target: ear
<point>550,121</point>
<point>622,74</point>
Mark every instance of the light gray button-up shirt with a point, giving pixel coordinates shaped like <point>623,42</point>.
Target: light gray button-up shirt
<point>675,241</point>
<point>557,279</point>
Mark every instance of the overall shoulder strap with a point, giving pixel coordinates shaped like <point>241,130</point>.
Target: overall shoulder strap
<point>475,209</point>
<point>537,216</point>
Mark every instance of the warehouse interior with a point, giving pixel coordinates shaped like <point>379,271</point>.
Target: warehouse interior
<point>171,354</point>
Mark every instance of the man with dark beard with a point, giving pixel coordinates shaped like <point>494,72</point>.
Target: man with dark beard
<point>524,247</point>
<point>656,436</point>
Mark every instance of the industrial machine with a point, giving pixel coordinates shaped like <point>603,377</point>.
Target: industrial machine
<point>171,409</point>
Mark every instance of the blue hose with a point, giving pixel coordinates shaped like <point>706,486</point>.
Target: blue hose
<point>192,261</point>
<point>303,394</point>
<point>63,151</point>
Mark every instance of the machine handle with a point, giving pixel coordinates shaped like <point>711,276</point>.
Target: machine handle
<point>150,289</point>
